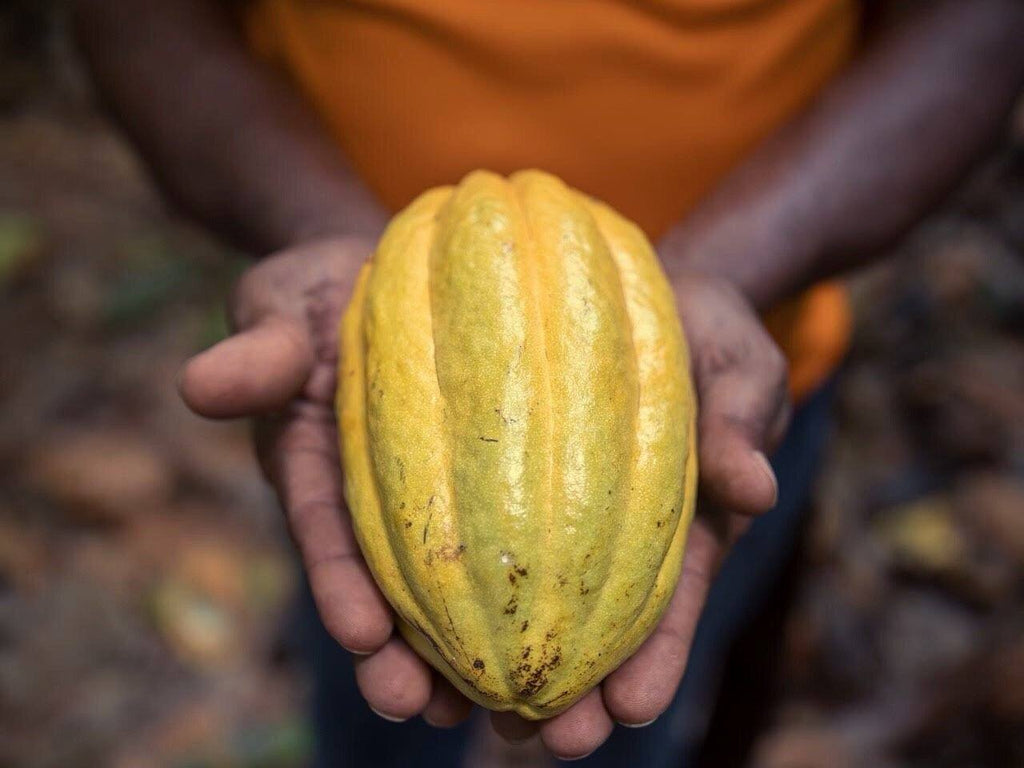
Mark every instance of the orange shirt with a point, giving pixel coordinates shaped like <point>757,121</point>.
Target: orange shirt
<point>642,103</point>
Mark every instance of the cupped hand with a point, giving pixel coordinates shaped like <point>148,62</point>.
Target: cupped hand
<point>279,366</point>
<point>743,410</point>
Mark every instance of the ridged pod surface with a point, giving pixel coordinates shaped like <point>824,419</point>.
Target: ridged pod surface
<point>517,430</point>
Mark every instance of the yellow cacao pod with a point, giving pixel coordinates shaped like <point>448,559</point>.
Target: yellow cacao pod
<point>517,434</point>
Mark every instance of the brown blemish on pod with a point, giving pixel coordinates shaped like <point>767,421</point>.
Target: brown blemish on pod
<point>451,553</point>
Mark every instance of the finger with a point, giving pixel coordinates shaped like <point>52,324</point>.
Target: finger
<point>255,371</point>
<point>447,707</point>
<point>734,474</point>
<point>643,687</point>
<point>579,730</point>
<point>740,376</point>
<point>741,404</point>
<point>300,456</point>
<point>394,681</point>
<point>513,728</point>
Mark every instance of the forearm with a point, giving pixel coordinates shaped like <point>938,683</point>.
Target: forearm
<point>880,147</point>
<point>227,140</point>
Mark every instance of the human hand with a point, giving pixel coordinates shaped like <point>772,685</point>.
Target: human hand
<point>280,366</point>
<point>740,377</point>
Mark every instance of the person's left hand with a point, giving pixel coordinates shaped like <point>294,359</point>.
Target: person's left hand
<point>743,410</point>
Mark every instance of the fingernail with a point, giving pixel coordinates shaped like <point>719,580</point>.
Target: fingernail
<point>357,653</point>
<point>638,725</point>
<point>389,718</point>
<point>578,757</point>
<point>766,466</point>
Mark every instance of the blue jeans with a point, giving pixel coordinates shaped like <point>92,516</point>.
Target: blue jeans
<point>349,735</point>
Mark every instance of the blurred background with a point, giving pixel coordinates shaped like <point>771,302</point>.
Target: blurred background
<point>146,579</point>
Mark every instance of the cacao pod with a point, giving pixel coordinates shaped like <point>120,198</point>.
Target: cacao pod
<point>517,434</point>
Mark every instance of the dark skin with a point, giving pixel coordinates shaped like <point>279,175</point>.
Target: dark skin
<point>243,154</point>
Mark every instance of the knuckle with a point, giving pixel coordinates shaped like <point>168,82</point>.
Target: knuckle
<point>695,576</point>
<point>715,360</point>
<point>304,515</point>
<point>330,560</point>
<point>310,444</point>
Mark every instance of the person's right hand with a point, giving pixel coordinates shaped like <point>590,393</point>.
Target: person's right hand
<point>280,366</point>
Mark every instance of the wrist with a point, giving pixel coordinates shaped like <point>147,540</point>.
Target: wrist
<point>764,245</point>
<point>288,223</point>
<point>325,230</point>
<point>348,252</point>
<point>338,217</point>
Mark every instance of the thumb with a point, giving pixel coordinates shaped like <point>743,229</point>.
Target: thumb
<point>736,475</point>
<point>738,415</point>
<point>255,371</point>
